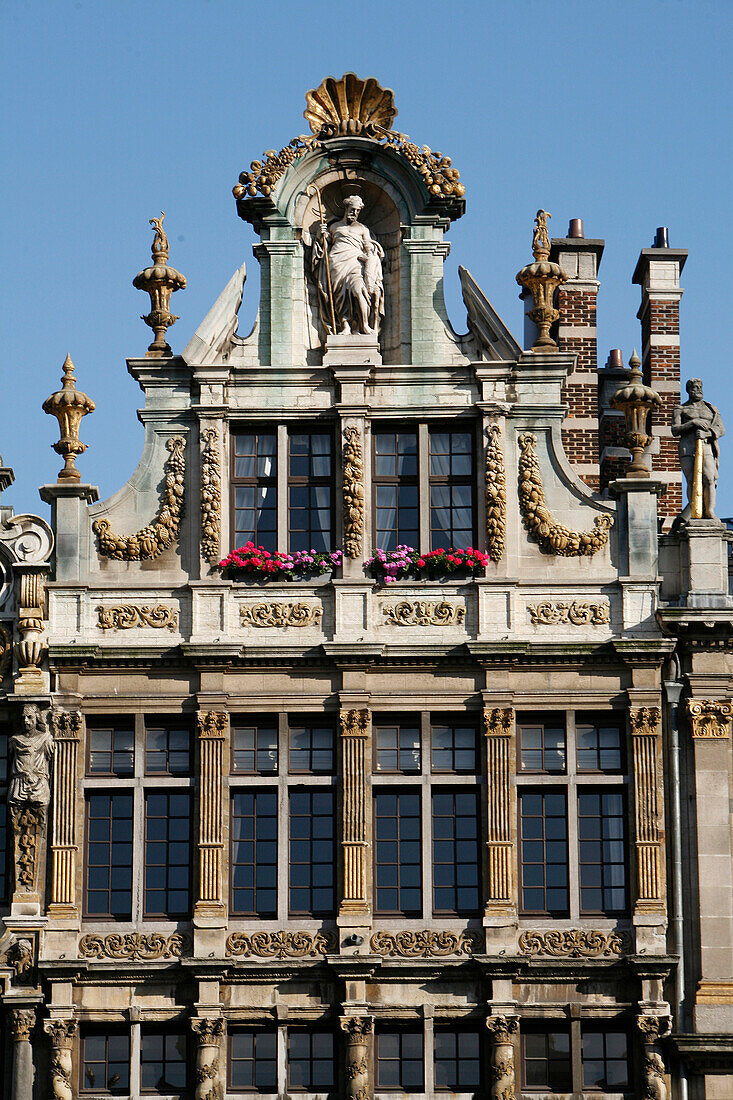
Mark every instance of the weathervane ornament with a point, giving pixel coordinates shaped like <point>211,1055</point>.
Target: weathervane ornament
<point>159,281</point>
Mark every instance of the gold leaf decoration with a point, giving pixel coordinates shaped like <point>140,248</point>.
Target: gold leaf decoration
<point>495,494</point>
<point>280,615</point>
<point>353,493</point>
<point>211,496</point>
<point>547,613</point>
<point>349,105</point>
<point>281,945</point>
<point>425,945</point>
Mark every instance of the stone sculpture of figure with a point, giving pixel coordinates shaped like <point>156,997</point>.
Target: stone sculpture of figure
<point>694,420</point>
<point>31,751</point>
<point>347,251</point>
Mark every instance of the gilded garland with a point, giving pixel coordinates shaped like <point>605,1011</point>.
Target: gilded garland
<point>353,493</point>
<point>495,494</point>
<point>152,540</point>
<point>576,613</point>
<point>210,496</point>
<point>552,536</point>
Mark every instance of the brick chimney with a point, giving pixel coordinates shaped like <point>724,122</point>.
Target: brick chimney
<point>658,273</point>
<point>576,301</point>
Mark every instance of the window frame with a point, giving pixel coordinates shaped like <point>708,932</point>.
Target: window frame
<point>117,724</point>
<point>397,480</point>
<point>310,1089</point>
<point>399,1030</point>
<point>457,1029</point>
<point>456,426</point>
<point>256,1032</point>
<point>385,721</point>
<point>92,1030</point>
<point>256,793</point>
<point>255,428</point>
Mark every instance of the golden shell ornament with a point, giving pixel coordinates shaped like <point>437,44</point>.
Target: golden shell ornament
<point>349,105</point>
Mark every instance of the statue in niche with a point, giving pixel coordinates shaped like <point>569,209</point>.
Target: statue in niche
<point>31,751</point>
<point>346,263</point>
<point>693,421</point>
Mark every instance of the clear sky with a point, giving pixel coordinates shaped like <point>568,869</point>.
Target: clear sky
<point>616,113</point>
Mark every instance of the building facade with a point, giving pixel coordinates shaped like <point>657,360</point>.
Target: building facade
<point>355,814</point>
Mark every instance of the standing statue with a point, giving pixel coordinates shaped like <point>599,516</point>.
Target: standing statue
<point>31,751</point>
<point>695,421</point>
<point>346,263</point>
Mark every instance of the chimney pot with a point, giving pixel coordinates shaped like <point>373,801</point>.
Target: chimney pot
<point>575,229</point>
<point>615,358</point>
<point>661,240</point>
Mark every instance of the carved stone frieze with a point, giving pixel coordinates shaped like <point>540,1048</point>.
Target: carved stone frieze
<point>28,825</point>
<point>552,536</point>
<point>425,945</point>
<point>211,496</point>
<point>424,613</point>
<point>281,945</point>
<point>157,536</point>
<point>710,719</point>
<point>576,613</point>
<point>134,946</point>
<point>125,616</point>
<point>353,492</point>
<point>575,943</point>
<point>281,615</point>
<point>495,494</point>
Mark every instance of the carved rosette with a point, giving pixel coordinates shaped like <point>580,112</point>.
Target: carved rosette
<point>575,943</point>
<point>127,615</point>
<point>134,946</point>
<point>358,1031</point>
<point>710,719</point>
<point>280,615</point>
<point>211,496</point>
<point>61,1035</point>
<point>495,494</point>
<point>425,945</point>
<point>424,613</point>
<point>499,729</point>
<point>552,536</point>
<point>22,1021</point>
<point>207,1034</point>
<point>281,945</point>
<point>67,727</point>
<point>576,613</point>
<point>354,736</point>
<point>211,727</point>
<point>353,492</point>
<point>648,806</point>
<point>151,541</point>
<point>503,1029</point>
<point>652,1028</point>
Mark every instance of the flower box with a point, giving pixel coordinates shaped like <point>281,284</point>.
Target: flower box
<point>251,562</point>
<point>407,563</point>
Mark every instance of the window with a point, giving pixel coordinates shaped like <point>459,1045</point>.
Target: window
<point>602,852</point>
<point>255,746</point>
<point>599,747</point>
<point>546,1058</point>
<point>309,490</point>
<point>311,1061</point>
<point>398,868</point>
<point>109,855</point>
<point>312,852</point>
<point>112,748</point>
<point>542,746</point>
<point>253,1061</point>
<point>453,747</point>
<point>105,1062</point>
<point>451,489</point>
<point>312,747</point>
<point>544,852</point>
<point>254,482</point>
<point>254,853</point>
<point>168,749</point>
<point>397,746</point>
<point>455,851</point>
<point>605,1060</point>
<point>395,488</point>
<point>400,1060</point>
<point>457,1059</point>
<point>167,853</point>
<point>163,1062</point>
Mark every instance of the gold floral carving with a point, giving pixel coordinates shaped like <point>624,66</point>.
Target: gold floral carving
<point>282,945</point>
<point>211,496</point>
<point>495,494</point>
<point>575,943</point>
<point>425,945</point>
<point>424,613</point>
<point>134,946</point>
<point>157,536</point>
<point>552,536</point>
<point>710,719</point>
<point>576,613</point>
<point>282,615</point>
<point>127,615</point>
<point>353,493</point>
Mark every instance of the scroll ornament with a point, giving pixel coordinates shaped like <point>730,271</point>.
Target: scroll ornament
<point>576,613</point>
<point>353,493</point>
<point>424,613</point>
<point>61,1034</point>
<point>710,719</point>
<point>575,943</point>
<point>127,615</point>
<point>281,945</point>
<point>211,496</point>
<point>495,494</point>
<point>134,946</point>
<point>151,541</point>
<point>552,536</point>
<point>281,615</point>
<point>425,945</point>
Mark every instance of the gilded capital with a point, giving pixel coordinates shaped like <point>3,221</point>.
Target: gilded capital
<point>354,723</point>
<point>498,721</point>
<point>710,719</point>
<point>60,1032</point>
<point>211,724</point>
<point>502,1028</point>
<point>22,1021</point>
<point>644,721</point>
<point>356,1027</point>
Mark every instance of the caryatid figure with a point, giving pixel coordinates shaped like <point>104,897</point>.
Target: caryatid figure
<point>31,750</point>
<point>698,419</point>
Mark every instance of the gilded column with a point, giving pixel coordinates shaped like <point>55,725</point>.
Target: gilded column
<point>503,1029</point>
<point>207,1034</point>
<point>358,1031</point>
<point>354,735</point>
<point>648,808</point>
<point>21,1023</point>
<point>212,727</point>
<point>61,1035</point>
<point>67,726</point>
<point>652,1063</point>
<point>499,729</point>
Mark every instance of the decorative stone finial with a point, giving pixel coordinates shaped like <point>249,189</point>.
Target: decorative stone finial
<point>159,281</point>
<point>69,405</point>
<point>635,401</point>
<point>541,279</point>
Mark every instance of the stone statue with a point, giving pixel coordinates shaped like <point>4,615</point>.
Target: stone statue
<point>694,420</point>
<point>31,751</point>
<point>347,267</point>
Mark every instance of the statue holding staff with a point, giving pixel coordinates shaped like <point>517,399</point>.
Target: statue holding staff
<point>346,263</point>
<point>698,427</point>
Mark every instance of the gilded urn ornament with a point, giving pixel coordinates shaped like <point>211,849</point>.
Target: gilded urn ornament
<point>69,405</point>
<point>159,281</point>
<point>635,400</point>
<point>541,279</point>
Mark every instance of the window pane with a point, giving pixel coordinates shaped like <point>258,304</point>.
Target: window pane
<point>310,491</point>
<point>255,487</point>
<point>455,851</point>
<point>311,1060</point>
<point>400,1060</point>
<point>312,748</point>
<point>168,859</point>
<point>167,749</point>
<point>546,1059</point>
<point>254,852</point>
<point>255,746</point>
<point>105,1061</point>
<point>544,866</point>
<point>453,747</point>
<point>602,852</point>
<point>312,852</point>
<point>542,747</point>
<point>398,871</point>
<point>109,855</point>
<point>397,747</point>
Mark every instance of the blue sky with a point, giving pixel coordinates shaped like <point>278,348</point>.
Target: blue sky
<point>619,114</point>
